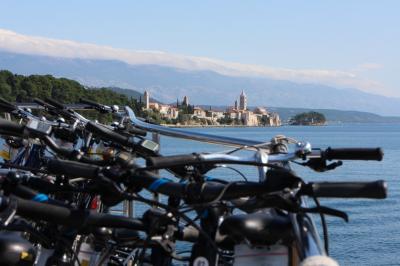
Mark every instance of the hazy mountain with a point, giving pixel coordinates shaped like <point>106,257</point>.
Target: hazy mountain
<point>203,87</point>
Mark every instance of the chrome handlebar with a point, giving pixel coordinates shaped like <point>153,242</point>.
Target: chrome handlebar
<point>202,137</point>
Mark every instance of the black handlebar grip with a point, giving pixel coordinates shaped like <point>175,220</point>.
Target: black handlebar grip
<point>72,169</point>
<point>137,131</point>
<point>6,106</point>
<point>28,193</point>
<point>375,154</point>
<point>74,218</point>
<point>91,103</point>
<point>372,190</point>
<point>9,127</point>
<point>42,103</point>
<point>47,212</point>
<point>174,160</point>
<point>54,103</point>
<point>108,134</point>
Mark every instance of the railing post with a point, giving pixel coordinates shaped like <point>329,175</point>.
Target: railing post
<point>156,139</point>
<point>128,208</point>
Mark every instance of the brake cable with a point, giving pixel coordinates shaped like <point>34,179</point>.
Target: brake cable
<point>233,169</point>
<point>324,226</point>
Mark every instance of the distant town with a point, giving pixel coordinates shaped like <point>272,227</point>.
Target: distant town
<point>184,114</point>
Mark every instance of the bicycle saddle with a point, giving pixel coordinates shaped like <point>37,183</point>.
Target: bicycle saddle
<point>257,228</point>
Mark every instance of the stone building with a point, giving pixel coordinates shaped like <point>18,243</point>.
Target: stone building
<point>199,112</point>
<point>214,115</point>
<point>249,119</point>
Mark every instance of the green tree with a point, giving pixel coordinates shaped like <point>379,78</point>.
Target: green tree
<point>19,88</point>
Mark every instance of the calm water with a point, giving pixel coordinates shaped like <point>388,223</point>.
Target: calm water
<point>372,237</point>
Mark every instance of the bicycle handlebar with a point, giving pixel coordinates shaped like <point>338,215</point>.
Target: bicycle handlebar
<point>202,137</point>
<point>375,154</point>
<point>211,190</point>
<point>173,160</point>
<point>72,169</point>
<point>70,217</point>
<point>214,158</point>
<point>54,108</point>
<point>56,104</point>
<point>6,106</point>
<point>108,134</point>
<point>99,107</point>
<point>371,190</point>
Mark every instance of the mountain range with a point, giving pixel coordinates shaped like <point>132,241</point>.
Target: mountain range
<point>166,84</point>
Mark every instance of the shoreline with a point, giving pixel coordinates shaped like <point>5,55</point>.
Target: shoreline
<point>197,126</point>
<point>283,125</point>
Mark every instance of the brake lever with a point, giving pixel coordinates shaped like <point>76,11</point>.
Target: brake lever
<point>333,165</point>
<point>284,201</point>
<point>319,164</point>
<point>110,192</point>
<point>166,240</point>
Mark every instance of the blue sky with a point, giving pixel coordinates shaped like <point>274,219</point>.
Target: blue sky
<point>362,37</point>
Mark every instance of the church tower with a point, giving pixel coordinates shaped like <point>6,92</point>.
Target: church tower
<point>243,101</point>
<point>185,101</point>
<point>146,100</point>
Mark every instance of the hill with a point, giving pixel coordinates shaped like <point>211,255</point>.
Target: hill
<point>19,88</point>
<point>168,83</point>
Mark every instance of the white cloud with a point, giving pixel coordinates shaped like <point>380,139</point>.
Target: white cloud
<point>18,43</point>
<point>369,66</point>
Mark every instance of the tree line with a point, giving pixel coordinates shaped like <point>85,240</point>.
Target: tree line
<point>20,88</point>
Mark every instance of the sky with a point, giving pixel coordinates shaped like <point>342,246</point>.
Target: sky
<point>358,38</point>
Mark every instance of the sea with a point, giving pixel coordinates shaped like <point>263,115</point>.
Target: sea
<point>372,235</point>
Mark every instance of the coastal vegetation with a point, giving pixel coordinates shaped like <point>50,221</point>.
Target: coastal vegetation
<point>19,88</point>
<point>308,119</point>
